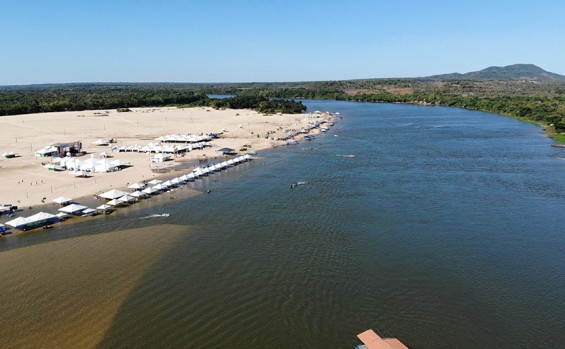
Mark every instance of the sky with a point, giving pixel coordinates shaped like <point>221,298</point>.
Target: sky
<point>271,40</point>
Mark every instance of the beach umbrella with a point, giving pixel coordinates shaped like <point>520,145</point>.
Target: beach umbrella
<point>73,209</point>
<point>137,185</point>
<point>62,200</point>
<point>113,194</point>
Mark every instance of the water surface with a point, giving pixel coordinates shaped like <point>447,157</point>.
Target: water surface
<point>445,231</point>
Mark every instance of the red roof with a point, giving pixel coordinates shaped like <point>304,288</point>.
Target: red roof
<point>373,341</point>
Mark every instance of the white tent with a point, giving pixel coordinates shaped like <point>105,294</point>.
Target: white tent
<point>73,209</point>
<point>101,142</point>
<point>159,187</point>
<point>104,207</point>
<point>62,200</point>
<point>113,194</point>
<point>18,222</point>
<point>167,184</point>
<point>137,194</point>
<point>149,190</point>
<point>155,181</point>
<point>137,185</point>
<point>62,215</point>
<point>126,198</point>
<point>41,216</point>
<point>114,202</point>
<point>89,211</point>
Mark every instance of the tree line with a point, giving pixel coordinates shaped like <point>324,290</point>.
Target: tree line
<point>97,97</point>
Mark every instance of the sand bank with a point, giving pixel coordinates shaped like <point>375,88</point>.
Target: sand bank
<point>25,182</point>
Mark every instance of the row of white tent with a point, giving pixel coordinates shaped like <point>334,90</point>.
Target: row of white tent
<point>90,165</point>
<point>160,148</point>
<point>119,197</point>
<point>183,138</point>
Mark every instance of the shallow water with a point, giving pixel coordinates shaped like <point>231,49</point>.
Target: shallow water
<point>445,231</point>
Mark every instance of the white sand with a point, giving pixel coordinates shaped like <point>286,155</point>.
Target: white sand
<point>24,182</point>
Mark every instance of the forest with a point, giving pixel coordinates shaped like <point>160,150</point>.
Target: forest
<point>531,101</point>
<point>100,96</point>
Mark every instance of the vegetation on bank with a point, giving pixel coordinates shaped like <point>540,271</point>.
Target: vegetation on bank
<point>123,97</point>
<point>531,101</point>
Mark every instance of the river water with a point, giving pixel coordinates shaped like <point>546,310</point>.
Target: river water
<point>445,230</point>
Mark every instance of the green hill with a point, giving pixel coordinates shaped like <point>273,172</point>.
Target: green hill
<point>529,72</point>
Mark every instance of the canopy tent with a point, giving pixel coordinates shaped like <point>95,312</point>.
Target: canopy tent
<point>40,216</point>
<point>18,222</point>
<point>114,202</point>
<point>101,142</point>
<point>62,200</point>
<point>36,220</point>
<point>73,209</point>
<point>113,194</point>
<point>137,185</point>
<point>149,190</point>
<point>49,150</point>
<point>89,212</point>
<point>167,184</point>
<point>104,207</point>
<point>79,173</point>
<point>137,194</point>
<point>92,164</point>
<point>126,198</point>
<point>62,215</point>
<point>155,181</point>
<point>159,187</point>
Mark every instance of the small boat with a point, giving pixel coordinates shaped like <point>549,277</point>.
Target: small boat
<point>47,227</point>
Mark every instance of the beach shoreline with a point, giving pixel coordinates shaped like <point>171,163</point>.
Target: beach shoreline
<point>28,184</point>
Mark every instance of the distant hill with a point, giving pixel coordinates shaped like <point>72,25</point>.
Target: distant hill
<point>528,72</point>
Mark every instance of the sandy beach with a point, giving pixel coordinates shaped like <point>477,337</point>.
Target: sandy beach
<point>26,182</point>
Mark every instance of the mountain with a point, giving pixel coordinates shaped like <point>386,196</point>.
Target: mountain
<point>528,72</point>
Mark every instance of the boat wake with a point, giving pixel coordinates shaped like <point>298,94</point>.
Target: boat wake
<point>157,215</point>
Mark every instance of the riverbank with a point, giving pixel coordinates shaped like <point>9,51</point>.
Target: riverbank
<point>27,182</point>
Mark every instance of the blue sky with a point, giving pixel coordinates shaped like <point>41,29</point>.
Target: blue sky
<point>239,41</point>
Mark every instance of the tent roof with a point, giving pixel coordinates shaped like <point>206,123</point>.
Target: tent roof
<point>113,194</point>
<point>72,208</point>
<point>17,222</point>
<point>40,217</point>
<point>62,200</point>
<point>137,185</point>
